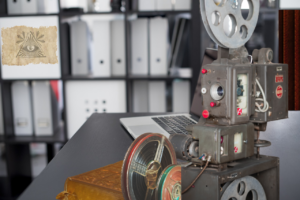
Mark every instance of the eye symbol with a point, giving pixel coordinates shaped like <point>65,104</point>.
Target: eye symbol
<point>31,48</point>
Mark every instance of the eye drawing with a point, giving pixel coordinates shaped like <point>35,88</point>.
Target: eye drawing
<point>30,45</point>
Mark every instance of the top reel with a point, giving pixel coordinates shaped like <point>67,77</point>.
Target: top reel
<point>225,24</point>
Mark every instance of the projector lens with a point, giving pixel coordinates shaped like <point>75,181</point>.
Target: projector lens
<point>220,91</point>
<point>217,92</point>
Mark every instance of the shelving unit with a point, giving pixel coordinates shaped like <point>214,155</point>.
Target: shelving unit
<point>17,148</point>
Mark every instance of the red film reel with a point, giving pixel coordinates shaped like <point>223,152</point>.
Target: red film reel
<point>145,160</point>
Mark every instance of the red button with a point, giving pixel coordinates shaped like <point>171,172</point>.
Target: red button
<point>213,104</point>
<point>205,114</point>
<point>204,71</point>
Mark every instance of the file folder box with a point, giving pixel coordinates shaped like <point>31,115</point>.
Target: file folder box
<point>79,48</point>
<point>45,109</point>
<point>139,47</point>
<point>99,6</point>
<point>14,7</point>
<point>157,96</point>
<point>22,108</point>
<point>158,46</point>
<point>47,6</point>
<point>118,56</point>
<point>102,50</point>
<point>183,5</point>
<point>164,5</point>
<point>146,5</point>
<point>181,96</point>
<point>140,96</point>
<point>29,7</point>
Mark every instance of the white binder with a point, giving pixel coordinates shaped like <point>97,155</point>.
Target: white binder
<point>164,5</point>
<point>14,7</point>
<point>183,5</point>
<point>181,96</point>
<point>1,114</point>
<point>22,108</point>
<point>75,4</point>
<point>79,48</point>
<point>45,108</point>
<point>101,54</point>
<point>29,6</point>
<point>47,6</point>
<point>158,46</point>
<point>82,4</point>
<point>139,47</point>
<point>100,5</point>
<point>51,6</point>
<point>118,57</point>
<point>87,97</point>
<point>140,96</point>
<point>157,96</point>
<point>146,5</point>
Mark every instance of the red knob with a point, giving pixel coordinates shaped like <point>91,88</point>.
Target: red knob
<point>213,104</point>
<point>204,71</point>
<point>205,114</point>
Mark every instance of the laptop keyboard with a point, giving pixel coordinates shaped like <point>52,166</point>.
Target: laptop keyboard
<point>174,124</point>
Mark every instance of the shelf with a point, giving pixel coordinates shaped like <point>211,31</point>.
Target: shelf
<point>90,78</point>
<point>268,10</point>
<point>148,77</point>
<point>158,13</point>
<point>32,79</point>
<point>58,137</point>
<point>262,10</point>
<point>71,14</point>
<point>28,15</point>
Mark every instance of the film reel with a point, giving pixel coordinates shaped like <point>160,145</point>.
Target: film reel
<point>225,23</point>
<point>244,188</point>
<point>145,160</point>
<point>169,184</point>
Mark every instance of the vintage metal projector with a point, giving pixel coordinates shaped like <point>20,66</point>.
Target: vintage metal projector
<point>241,93</point>
<point>221,154</point>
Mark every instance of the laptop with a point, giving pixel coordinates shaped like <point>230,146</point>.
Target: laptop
<point>172,123</point>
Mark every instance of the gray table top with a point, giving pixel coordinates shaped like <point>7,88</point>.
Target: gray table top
<point>102,141</point>
<point>99,142</point>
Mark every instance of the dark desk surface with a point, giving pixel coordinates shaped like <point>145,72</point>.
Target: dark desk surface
<point>99,142</point>
<point>102,141</point>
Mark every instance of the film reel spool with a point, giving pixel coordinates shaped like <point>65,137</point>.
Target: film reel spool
<point>169,184</point>
<point>144,161</point>
<point>217,14</point>
<point>244,188</point>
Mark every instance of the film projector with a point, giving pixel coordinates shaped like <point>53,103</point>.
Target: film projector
<point>220,157</point>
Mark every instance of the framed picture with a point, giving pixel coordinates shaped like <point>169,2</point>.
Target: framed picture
<point>30,47</point>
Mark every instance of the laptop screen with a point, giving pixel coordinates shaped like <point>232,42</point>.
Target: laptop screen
<point>196,108</point>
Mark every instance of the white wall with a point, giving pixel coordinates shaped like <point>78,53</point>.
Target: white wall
<point>290,4</point>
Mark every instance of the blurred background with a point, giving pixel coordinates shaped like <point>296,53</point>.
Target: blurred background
<point>114,56</point>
